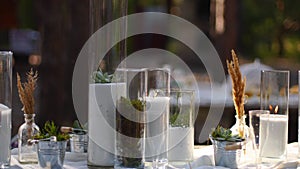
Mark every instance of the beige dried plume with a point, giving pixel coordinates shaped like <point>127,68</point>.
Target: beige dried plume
<point>26,91</point>
<point>238,84</point>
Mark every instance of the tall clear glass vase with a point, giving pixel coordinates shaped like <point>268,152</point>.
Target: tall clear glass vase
<point>5,107</point>
<point>106,50</point>
<point>27,151</point>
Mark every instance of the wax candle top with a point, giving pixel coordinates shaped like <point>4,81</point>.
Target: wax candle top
<point>156,106</point>
<point>3,107</point>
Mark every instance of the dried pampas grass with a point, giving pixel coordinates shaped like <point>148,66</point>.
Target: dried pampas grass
<point>238,85</point>
<point>26,91</point>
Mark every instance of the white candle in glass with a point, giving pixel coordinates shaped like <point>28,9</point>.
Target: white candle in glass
<point>5,133</point>
<point>157,113</point>
<point>273,135</point>
<point>101,117</point>
<point>181,143</point>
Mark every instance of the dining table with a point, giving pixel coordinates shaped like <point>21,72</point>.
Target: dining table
<point>203,159</point>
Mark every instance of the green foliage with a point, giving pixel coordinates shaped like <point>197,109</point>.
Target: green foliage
<point>223,134</point>
<point>173,118</point>
<point>100,77</point>
<point>179,113</point>
<point>77,125</point>
<point>50,129</point>
<point>137,104</point>
<point>266,28</point>
<point>132,162</point>
<point>180,119</point>
<point>149,3</point>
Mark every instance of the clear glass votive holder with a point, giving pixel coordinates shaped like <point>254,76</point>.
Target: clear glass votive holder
<point>5,107</point>
<point>181,127</point>
<point>274,96</point>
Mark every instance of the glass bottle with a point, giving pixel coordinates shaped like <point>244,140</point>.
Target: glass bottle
<point>240,128</point>
<point>27,151</point>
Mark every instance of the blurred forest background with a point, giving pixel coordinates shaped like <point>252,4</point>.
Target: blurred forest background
<point>48,35</point>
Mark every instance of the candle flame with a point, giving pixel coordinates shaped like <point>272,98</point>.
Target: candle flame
<point>275,110</point>
<point>270,107</point>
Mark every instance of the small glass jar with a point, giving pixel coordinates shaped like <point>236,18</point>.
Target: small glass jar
<point>27,151</point>
<point>240,128</point>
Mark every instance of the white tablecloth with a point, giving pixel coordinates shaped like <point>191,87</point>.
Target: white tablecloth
<point>203,159</point>
<point>72,161</point>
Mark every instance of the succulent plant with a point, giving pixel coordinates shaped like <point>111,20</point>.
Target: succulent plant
<point>100,77</point>
<point>50,129</point>
<point>223,134</point>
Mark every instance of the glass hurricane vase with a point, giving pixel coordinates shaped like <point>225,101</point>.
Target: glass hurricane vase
<point>27,152</point>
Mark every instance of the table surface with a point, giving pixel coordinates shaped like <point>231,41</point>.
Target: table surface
<point>203,159</point>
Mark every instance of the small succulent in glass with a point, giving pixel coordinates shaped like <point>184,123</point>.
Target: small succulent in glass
<point>100,77</point>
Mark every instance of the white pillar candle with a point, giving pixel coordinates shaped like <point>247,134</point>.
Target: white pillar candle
<point>101,123</point>
<point>157,113</point>
<point>181,143</point>
<point>273,134</point>
<point>5,134</point>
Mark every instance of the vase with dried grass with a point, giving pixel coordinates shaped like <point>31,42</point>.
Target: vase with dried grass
<point>27,152</point>
<point>238,96</point>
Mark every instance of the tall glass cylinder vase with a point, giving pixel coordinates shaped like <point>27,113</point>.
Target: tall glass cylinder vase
<point>5,107</point>
<point>27,152</point>
<point>181,127</point>
<point>130,118</point>
<point>109,50</point>
<point>274,97</point>
<point>106,51</point>
<point>157,99</point>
